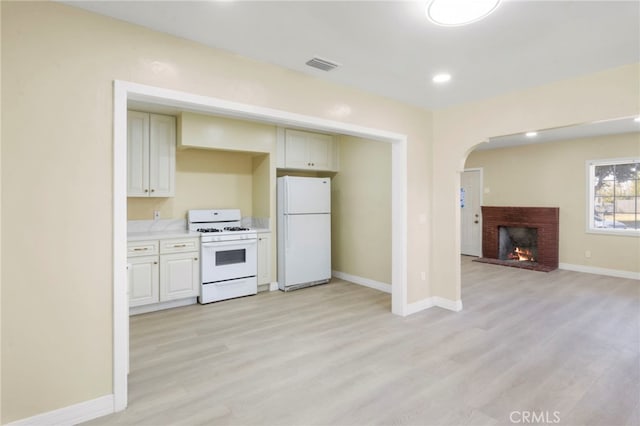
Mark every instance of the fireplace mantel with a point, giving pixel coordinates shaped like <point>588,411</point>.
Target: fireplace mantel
<point>545,219</point>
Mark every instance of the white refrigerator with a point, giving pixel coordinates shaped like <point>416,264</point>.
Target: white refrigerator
<point>304,231</point>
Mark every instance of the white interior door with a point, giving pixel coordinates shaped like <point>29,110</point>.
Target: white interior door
<point>470,213</point>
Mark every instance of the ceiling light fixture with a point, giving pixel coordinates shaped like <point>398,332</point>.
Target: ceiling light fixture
<point>637,119</point>
<point>531,134</point>
<point>452,13</point>
<point>441,78</point>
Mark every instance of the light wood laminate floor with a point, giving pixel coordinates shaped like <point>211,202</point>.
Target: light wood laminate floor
<point>562,345</point>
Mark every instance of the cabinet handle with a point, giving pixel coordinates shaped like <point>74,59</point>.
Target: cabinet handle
<point>155,263</point>
<point>195,258</point>
<point>179,245</point>
<point>146,190</point>
<point>141,248</point>
<point>153,190</point>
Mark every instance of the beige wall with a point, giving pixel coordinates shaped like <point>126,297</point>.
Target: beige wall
<point>554,175</point>
<point>361,210</point>
<point>58,67</point>
<point>59,64</point>
<point>605,95</point>
<point>205,179</point>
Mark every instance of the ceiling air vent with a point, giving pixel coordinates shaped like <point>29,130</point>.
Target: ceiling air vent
<point>322,64</point>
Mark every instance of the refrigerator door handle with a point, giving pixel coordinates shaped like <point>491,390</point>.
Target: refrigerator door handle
<point>286,231</point>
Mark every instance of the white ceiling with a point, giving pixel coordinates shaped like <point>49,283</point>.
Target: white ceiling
<point>390,48</point>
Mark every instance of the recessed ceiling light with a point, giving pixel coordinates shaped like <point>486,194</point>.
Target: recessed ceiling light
<point>637,119</point>
<point>531,134</point>
<point>459,12</point>
<point>441,78</point>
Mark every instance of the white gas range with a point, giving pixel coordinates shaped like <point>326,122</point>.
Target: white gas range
<point>229,263</point>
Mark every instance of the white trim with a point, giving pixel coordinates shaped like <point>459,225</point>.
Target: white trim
<point>125,91</point>
<point>273,286</point>
<point>71,415</point>
<point>437,301</point>
<point>420,305</point>
<point>377,285</point>
<point>600,271</point>
<point>452,305</point>
<point>399,226</point>
<point>120,298</point>
<point>136,310</point>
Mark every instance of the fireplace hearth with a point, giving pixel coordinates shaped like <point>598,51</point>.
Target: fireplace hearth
<point>521,237</point>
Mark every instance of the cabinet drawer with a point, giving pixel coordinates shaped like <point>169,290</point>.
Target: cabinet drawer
<point>179,245</point>
<point>142,248</point>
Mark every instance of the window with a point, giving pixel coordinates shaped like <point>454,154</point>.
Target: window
<point>614,196</point>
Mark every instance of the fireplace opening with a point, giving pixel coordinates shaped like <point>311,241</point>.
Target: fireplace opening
<point>518,244</point>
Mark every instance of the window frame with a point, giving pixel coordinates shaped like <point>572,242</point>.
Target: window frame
<point>590,167</point>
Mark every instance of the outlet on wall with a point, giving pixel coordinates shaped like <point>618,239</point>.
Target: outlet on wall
<point>587,254</point>
<point>156,214</point>
<point>423,276</point>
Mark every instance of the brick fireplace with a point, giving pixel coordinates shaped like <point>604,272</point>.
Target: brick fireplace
<point>522,237</point>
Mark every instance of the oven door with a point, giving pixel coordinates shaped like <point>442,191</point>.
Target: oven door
<point>228,260</point>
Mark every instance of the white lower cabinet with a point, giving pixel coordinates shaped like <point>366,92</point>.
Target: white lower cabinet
<point>264,258</point>
<point>163,271</point>
<point>179,276</point>
<point>143,280</point>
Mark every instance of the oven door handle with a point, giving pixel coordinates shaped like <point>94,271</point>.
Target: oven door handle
<point>251,241</point>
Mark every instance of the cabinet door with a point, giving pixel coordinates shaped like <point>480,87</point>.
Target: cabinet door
<point>179,276</point>
<point>296,152</point>
<point>264,258</point>
<point>143,280</point>
<point>137,154</point>
<point>162,155</point>
<point>320,151</point>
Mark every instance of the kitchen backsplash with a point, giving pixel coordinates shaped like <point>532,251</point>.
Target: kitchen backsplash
<point>160,225</point>
<point>168,225</point>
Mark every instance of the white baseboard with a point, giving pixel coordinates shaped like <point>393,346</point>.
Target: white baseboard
<point>452,305</point>
<point>363,281</point>
<point>273,286</point>
<point>600,271</point>
<point>136,310</point>
<point>420,305</point>
<point>71,415</point>
<point>429,302</point>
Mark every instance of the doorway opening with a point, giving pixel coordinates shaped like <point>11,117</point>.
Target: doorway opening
<point>127,91</point>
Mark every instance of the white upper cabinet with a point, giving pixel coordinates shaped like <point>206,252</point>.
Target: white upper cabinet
<point>151,155</point>
<point>137,154</point>
<point>300,150</point>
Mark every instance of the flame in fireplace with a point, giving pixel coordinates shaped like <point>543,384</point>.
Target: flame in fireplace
<point>522,254</point>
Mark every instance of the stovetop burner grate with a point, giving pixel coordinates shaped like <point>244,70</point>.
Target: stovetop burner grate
<point>208,230</point>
